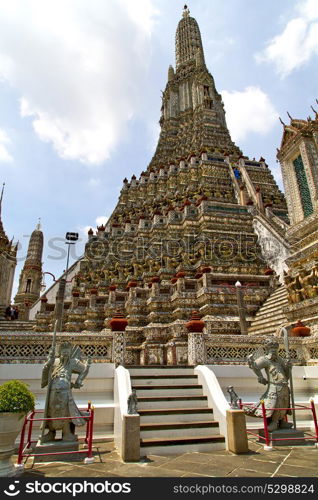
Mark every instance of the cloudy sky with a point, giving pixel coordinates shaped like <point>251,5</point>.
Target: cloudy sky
<point>80,84</point>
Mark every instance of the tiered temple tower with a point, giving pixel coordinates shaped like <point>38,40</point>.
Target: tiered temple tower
<point>31,274</point>
<point>8,261</point>
<point>185,232</point>
<point>298,155</point>
<point>192,113</point>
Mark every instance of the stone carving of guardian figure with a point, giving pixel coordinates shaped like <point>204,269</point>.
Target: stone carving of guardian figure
<point>277,394</point>
<point>57,376</point>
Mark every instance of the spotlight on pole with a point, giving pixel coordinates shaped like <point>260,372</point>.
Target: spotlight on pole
<point>71,240</point>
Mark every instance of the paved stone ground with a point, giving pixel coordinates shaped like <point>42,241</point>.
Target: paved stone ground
<point>297,461</point>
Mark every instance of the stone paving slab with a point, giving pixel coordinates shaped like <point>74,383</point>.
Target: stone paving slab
<point>290,461</point>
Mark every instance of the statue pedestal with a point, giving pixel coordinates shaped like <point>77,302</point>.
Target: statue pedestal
<point>58,446</point>
<point>293,437</point>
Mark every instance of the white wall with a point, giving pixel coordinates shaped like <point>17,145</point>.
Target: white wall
<point>244,381</point>
<point>97,388</point>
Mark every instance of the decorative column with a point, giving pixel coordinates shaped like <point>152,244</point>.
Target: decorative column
<point>196,346</point>
<point>59,304</point>
<point>241,308</point>
<point>43,304</point>
<point>118,326</point>
<point>259,198</point>
<point>26,310</point>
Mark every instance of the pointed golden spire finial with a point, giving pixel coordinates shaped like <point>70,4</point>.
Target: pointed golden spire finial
<point>186,11</point>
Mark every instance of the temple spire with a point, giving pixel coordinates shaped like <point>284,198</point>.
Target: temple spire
<point>31,274</point>
<point>2,233</point>
<point>188,40</point>
<point>186,11</point>
<point>1,197</point>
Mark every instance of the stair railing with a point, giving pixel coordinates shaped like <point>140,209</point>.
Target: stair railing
<point>216,399</point>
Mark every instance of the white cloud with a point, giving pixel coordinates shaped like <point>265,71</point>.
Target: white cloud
<point>78,67</point>
<point>94,182</point>
<point>248,111</point>
<point>308,9</point>
<point>5,156</point>
<point>297,43</point>
<point>100,220</point>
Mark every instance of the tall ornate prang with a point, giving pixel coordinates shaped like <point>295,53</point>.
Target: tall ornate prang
<point>182,233</point>
<point>8,262</point>
<point>298,156</point>
<point>31,274</point>
<point>192,113</point>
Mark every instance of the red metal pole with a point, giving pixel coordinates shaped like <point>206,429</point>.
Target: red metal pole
<point>89,404</point>
<point>21,445</point>
<point>30,417</point>
<point>266,435</point>
<point>90,439</point>
<point>313,409</point>
<point>240,403</point>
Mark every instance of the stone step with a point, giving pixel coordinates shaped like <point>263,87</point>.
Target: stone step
<point>16,325</point>
<point>163,380</point>
<point>276,313</point>
<point>267,324</point>
<point>171,429</point>
<point>263,331</point>
<point>151,370</point>
<point>163,402</point>
<point>269,311</point>
<point>274,300</point>
<point>275,306</point>
<point>174,413</point>
<point>263,324</point>
<point>17,321</point>
<point>275,318</point>
<point>167,390</point>
<point>281,290</point>
<point>183,444</point>
<point>160,415</point>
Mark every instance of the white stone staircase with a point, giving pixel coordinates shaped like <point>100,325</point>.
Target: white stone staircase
<point>16,326</point>
<point>174,414</point>
<point>270,315</point>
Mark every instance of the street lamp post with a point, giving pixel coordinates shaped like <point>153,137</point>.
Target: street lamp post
<point>241,308</point>
<point>71,239</point>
